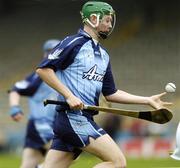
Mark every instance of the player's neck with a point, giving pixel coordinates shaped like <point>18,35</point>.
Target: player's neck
<point>91,32</point>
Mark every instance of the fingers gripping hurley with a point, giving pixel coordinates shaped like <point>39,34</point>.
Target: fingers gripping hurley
<point>160,116</point>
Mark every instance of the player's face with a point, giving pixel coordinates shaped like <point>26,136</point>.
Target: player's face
<point>105,24</point>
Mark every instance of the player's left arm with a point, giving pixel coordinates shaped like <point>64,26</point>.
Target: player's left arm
<point>118,96</point>
<point>127,98</point>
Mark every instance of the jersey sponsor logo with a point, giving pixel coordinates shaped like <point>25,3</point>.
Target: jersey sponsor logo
<point>93,75</point>
<point>55,54</point>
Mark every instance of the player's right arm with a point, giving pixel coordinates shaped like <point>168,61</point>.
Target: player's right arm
<point>48,75</point>
<point>59,59</point>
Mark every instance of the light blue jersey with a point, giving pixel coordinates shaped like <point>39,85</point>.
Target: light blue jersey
<point>83,66</point>
<point>37,91</point>
<point>85,76</point>
<point>37,109</point>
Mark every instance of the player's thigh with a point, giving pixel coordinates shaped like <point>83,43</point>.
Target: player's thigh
<point>58,159</point>
<point>105,148</point>
<point>31,157</point>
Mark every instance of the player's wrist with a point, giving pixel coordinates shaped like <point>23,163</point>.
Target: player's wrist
<point>68,97</point>
<point>14,110</point>
<point>147,100</point>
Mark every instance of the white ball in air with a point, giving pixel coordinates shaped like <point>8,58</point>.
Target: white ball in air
<point>170,87</point>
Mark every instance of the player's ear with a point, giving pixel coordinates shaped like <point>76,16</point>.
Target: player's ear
<point>93,19</point>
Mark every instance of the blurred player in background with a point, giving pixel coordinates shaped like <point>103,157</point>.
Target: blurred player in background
<point>39,128</point>
<point>176,154</point>
<point>79,70</point>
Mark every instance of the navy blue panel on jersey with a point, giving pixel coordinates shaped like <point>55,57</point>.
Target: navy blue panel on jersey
<point>28,86</point>
<point>63,54</point>
<point>108,87</point>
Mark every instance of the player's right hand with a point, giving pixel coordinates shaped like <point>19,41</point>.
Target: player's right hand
<point>16,113</point>
<point>75,103</point>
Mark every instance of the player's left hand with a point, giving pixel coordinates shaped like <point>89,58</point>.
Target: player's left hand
<point>156,102</point>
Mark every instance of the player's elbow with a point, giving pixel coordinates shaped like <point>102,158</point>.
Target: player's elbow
<point>108,98</point>
<point>39,71</point>
<point>43,72</point>
<point>112,97</point>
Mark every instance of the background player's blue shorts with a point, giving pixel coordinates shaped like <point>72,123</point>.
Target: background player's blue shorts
<point>38,134</point>
<point>72,132</point>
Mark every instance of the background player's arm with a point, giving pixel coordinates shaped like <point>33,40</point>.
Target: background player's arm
<point>26,87</point>
<point>14,98</point>
<point>15,109</point>
<point>48,75</point>
<point>123,97</point>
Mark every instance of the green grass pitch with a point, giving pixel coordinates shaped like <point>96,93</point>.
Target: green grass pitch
<point>88,161</point>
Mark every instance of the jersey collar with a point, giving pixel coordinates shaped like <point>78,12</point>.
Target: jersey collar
<point>83,33</point>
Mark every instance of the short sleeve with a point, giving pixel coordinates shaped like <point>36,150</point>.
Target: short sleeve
<point>63,54</point>
<point>28,86</point>
<point>108,87</point>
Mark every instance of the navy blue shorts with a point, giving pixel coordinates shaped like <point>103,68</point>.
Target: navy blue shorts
<point>38,133</point>
<point>72,132</point>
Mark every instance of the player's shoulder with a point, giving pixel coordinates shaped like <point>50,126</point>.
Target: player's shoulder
<point>76,39</point>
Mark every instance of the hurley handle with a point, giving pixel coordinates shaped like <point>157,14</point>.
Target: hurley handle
<point>63,105</point>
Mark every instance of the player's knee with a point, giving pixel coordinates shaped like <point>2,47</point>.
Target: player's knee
<point>24,165</point>
<point>119,162</point>
<point>120,165</point>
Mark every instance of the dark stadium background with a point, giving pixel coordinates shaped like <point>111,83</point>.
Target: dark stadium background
<point>144,47</point>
